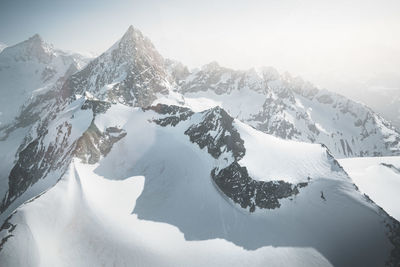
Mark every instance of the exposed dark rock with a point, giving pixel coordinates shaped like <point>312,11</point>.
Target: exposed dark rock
<point>175,114</point>
<point>93,143</point>
<point>36,161</point>
<point>9,227</point>
<point>393,228</point>
<point>96,106</point>
<point>216,132</point>
<point>322,195</point>
<point>335,166</point>
<point>235,183</point>
<point>268,121</point>
<point>391,166</point>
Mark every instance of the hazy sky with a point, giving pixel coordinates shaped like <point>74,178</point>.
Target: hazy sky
<point>332,43</point>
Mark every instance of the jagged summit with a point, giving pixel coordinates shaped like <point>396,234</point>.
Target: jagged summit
<point>212,66</point>
<point>130,29</point>
<point>36,38</point>
<point>134,46</point>
<point>131,72</point>
<point>28,69</point>
<point>134,38</point>
<point>34,48</point>
<point>132,32</point>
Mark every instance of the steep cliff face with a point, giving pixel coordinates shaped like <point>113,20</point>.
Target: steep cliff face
<point>45,155</point>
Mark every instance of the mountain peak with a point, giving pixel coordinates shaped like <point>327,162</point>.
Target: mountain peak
<point>32,48</point>
<point>36,38</point>
<point>130,43</point>
<point>131,29</point>
<point>132,35</point>
<point>135,48</point>
<point>135,59</point>
<point>212,66</point>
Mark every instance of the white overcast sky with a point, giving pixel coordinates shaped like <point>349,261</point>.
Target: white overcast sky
<point>331,43</point>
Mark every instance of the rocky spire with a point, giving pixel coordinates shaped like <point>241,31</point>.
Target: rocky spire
<point>131,72</point>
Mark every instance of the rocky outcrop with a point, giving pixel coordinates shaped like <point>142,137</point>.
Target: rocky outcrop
<point>175,114</point>
<point>94,144</point>
<point>216,132</point>
<point>37,160</point>
<point>235,183</point>
<point>392,167</point>
<point>9,228</point>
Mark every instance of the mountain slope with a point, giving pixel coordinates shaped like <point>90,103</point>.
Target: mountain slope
<point>75,239</point>
<point>28,69</point>
<point>183,175</point>
<point>379,178</point>
<point>130,72</point>
<point>31,73</point>
<point>43,158</point>
<point>290,108</point>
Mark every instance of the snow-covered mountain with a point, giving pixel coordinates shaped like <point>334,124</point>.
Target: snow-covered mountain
<point>31,74</point>
<point>290,108</point>
<point>386,101</point>
<point>30,68</point>
<point>195,182</point>
<point>131,72</point>
<point>135,160</point>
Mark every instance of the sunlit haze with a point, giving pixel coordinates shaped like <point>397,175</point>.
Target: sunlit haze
<point>334,44</point>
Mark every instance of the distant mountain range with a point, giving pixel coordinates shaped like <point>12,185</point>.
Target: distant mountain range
<point>130,159</point>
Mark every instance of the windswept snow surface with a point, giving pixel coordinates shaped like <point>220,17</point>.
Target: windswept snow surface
<point>267,158</point>
<point>241,103</point>
<point>88,221</point>
<point>379,178</point>
<point>151,202</point>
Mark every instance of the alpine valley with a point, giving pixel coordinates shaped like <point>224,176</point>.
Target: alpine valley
<point>130,159</point>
